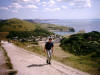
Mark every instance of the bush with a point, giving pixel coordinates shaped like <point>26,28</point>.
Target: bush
<point>25,36</point>
<point>82,44</point>
<point>42,32</point>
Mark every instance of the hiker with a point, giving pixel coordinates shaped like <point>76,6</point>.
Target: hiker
<point>49,50</point>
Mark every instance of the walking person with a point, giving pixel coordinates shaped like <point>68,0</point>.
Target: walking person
<point>49,50</point>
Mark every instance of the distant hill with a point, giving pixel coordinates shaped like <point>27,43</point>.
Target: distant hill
<point>16,25</point>
<point>21,28</point>
<point>29,25</point>
<point>51,27</point>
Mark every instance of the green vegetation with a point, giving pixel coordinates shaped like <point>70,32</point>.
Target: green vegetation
<point>22,25</point>
<point>29,35</point>
<point>86,50</point>
<point>42,32</point>
<point>3,35</point>
<point>83,44</point>
<point>55,27</point>
<point>22,29</point>
<point>83,63</point>
<point>16,25</point>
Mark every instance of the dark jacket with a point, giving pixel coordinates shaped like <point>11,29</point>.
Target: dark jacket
<point>49,45</point>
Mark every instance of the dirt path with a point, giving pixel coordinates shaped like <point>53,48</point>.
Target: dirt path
<point>3,66</point>
<point>27,63</point>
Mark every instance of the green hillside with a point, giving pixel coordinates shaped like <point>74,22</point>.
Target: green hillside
<point>85,49</point>
<point>53,27</point>
<point>16,25</point>
<point>21,29</point>
<point>22,25</point>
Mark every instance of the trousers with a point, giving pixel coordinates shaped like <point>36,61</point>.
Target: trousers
<point>49,55</point>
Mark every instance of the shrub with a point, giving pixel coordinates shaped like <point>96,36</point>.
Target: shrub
<point>82,44</point>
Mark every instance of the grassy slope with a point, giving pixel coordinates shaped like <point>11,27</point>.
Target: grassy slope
<point>3,35</point>
<point>22,25</point>
<point>16,25</point>
<point>90,42</point>
<point>55,27</point>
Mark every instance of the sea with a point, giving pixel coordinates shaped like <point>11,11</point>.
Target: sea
<point>86,25</point>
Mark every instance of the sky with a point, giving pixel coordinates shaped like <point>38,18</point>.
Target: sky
<point>50,9</point>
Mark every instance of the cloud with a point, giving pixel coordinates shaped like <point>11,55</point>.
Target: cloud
<point>15,6</point>
<point>34,10</point>
<point>44,4</point>
<point>59,0</point>
<point>51,3</point>
<point>4,8</point>
<point>31,6</point>
<point>52,9</point>
<point>80,3</point>
<point>89,3</point>
<point>14,11</point>
<point>64,7</point>
<point>47,5</point>
<point>77,3</point>
<point>28,1</point>
<point>64,0</point>
<point>25,0</point>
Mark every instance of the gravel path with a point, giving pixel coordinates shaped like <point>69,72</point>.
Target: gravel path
<point>28,63</point>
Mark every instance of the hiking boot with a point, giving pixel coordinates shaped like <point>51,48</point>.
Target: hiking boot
<point>47,61</point>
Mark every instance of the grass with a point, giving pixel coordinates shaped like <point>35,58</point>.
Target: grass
<point>3,35</point>
<point>8,63</point>
<point>22,25</point>
<point>83,63</point>
<point>16,25</point>
<point>55,27</point>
